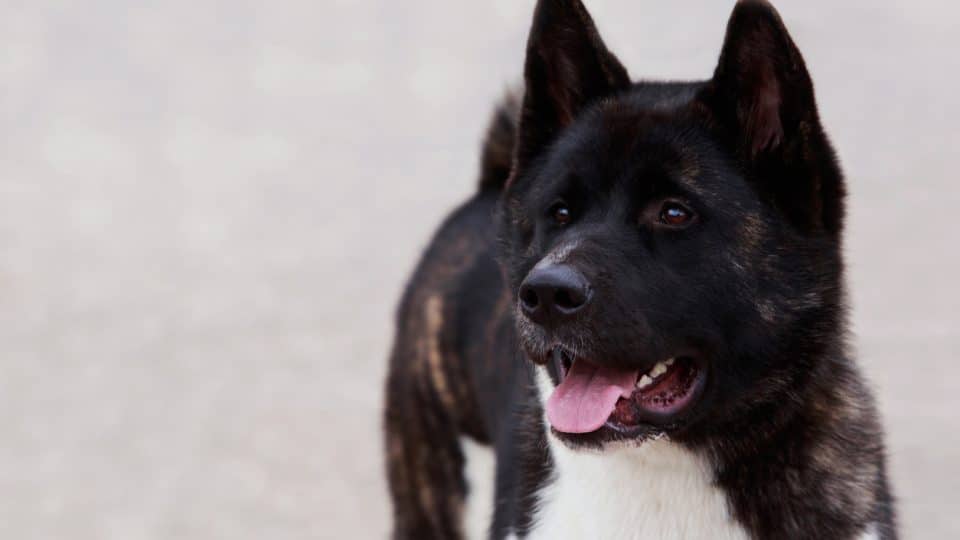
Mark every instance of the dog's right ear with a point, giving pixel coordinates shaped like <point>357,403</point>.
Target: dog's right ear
<point>567,67</point>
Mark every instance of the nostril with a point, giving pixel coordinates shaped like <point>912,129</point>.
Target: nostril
<point>568,300</point>
<point>529,298</point>
<point>563,299</point>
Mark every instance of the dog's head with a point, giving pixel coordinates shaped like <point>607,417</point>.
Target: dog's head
<point>673,248</point>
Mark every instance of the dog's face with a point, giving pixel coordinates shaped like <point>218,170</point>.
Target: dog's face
<point>673,248</point>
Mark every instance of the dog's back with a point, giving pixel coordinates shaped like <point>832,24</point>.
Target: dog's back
<point>446,380</point>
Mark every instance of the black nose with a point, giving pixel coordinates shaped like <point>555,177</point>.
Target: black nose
<point>553,293</point>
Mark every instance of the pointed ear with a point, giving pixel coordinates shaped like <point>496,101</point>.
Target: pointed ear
<point>760,90</point>
<point>567,67</point>
<point>761,95</point>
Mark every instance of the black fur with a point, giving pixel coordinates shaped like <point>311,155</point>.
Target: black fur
<point>753,286</point>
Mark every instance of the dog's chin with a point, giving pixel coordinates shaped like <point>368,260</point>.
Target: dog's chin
<point>665,399</point>
<point>609,436</point>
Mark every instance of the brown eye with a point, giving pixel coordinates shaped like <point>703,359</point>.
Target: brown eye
<point>675,215</point>
<point>561,214</point>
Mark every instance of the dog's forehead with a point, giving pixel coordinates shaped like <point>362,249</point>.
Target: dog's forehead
<point>623,142</point>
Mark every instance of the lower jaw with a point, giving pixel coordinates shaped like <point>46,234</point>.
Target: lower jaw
<point>661,407</point>
<point>612,433</point>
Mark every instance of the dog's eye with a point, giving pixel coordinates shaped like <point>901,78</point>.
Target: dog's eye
<point>675,214</point>
<point>561,214</point>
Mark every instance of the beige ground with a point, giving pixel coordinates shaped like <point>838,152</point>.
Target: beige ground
<point>207,211</point>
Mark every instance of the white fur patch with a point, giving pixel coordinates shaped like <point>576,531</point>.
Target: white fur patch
<point>479,473</point>
<point>560,253</point>
<point>657,490</point>
<point>871,533</point>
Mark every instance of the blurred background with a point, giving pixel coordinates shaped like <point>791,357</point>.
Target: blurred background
<point>208,211</point>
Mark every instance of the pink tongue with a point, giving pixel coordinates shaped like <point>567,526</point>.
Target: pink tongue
<point>587,396</point>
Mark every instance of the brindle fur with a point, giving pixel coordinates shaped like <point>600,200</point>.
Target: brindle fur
<point>792,432</point>
<point>448,363</point>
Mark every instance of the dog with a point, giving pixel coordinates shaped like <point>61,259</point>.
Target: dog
<point>641,312</point>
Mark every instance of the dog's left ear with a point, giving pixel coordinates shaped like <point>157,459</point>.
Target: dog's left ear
<point>761,88</point>
<point>762,96</point>
<point>567,67</point>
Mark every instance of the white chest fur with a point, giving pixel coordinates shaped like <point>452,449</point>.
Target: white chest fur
<point>658,490</point>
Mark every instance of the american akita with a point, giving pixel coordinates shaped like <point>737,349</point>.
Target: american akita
<point>641,311</point>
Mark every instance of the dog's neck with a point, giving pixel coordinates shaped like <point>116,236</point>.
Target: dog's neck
<point>814,466</point>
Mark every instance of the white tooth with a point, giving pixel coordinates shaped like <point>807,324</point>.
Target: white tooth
<point>658,370</point>
<point>670,361</point>
<point>644,382</point>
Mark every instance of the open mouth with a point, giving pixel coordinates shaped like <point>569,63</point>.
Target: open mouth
<point>589,397</point>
